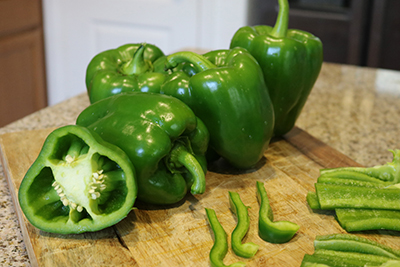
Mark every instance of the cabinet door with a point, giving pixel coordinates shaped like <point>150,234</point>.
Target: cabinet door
<point>75,30</point>
<point>22,80</point>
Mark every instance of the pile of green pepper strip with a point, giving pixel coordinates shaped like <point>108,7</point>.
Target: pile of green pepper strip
<point>350,250</point>
<point>363,198</point>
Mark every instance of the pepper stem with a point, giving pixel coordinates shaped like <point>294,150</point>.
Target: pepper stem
<point>137,64</point>
<point>198,61</point>
<point>182,156</point>
<point>74,150</point>
<point>282,21</point>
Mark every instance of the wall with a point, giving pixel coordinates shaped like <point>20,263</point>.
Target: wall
<point>75,30</point>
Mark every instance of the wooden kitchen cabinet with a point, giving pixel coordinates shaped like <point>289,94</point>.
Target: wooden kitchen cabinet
<point>358,32</point>
<point>22,70</point>
<point>340,24</point>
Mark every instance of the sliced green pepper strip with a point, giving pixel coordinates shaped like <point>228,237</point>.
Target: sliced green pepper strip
<point>339,258</point>
<point>308,263</point>
<point>249,249</point>
<point>350,250</point>
<point>353,243</point>
<point>341,196</point>
<point>390,172</point>
<point>312,200</point>
<point>220,247</point>
<point>268,230</point>
<point>368,219</point>
<point>351,180</point>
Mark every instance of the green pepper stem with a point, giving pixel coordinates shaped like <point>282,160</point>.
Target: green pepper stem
<point>137,64</point>
<point>75,149</point>
<point>195,169</point>
<point>282,21</point>
<point>181,156</point>
<point>198,61</point>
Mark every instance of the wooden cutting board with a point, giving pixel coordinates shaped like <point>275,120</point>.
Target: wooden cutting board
<point>180,235</point>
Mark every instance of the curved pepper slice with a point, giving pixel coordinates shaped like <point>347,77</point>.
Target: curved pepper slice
<point>78,183</point>
<point>291,60</point>
<point>124,69</point>
<point>249,249</point>
<point>268,230</point>
<point>161,135</point>
<point>220,247</point>
<point>229,95</point>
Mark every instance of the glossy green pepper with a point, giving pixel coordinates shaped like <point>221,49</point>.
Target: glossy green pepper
<point>229,95</point>
<point>78,183</point>
<point>161,135</point>
<point>291,61</point>
<point>124,69</point>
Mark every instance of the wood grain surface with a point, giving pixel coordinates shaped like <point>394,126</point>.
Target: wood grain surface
<point>179,235</point>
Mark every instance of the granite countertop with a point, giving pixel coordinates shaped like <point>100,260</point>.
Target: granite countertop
<point>355,110</point>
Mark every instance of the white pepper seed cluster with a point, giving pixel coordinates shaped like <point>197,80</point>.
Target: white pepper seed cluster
<point>97,185</point>
<point>64,199</point>
<point>69,158</point>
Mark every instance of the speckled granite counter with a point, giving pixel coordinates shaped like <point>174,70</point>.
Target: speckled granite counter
<point>354,110</point>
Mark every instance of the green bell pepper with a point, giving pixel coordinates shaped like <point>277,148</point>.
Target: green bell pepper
<point>229,95</point>
<point>78,183</point>
<point>161,135</point>
<point>124,69</point>
<point>291,61</point>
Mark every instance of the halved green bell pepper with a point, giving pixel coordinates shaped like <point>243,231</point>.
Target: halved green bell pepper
<point>229,95</point>
<point>78,183</point>
<point>291,61</point>
<point>161,135</point>
<point>124,69</point>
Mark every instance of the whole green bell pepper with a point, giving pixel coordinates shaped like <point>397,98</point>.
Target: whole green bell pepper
<point>229,95</point>
<point>78,183</point>
<point>124,69</point>
<point>291,61</point>
<point>161,135</point>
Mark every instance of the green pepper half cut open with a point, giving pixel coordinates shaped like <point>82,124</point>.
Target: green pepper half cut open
<point>78,183</point>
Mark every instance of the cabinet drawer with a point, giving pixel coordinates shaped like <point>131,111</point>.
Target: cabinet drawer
<point>22,78</point>
<point>19,15</point>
